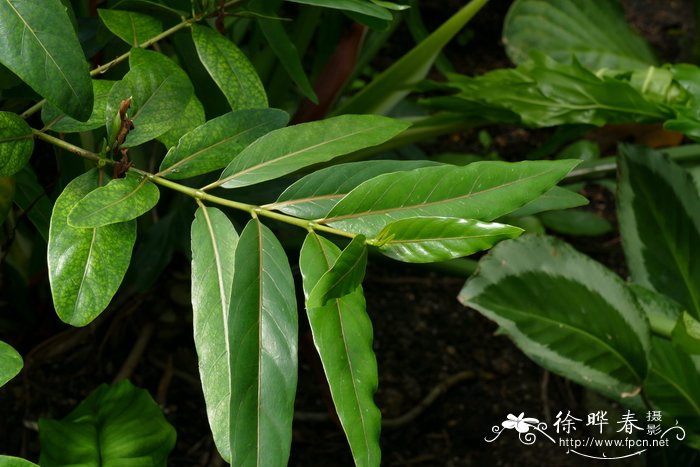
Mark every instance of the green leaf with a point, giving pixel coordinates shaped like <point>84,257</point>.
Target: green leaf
<point>115,425</point>
<point>686,334</point>
<point>215,144</point>
<point>286,150</point>
<point>594,31</point>
<point>16,143</point>
<point>659,215</point>
<point>160,91</point>
<point>133,28</point>
<point>10,363</point>
<point>567,312</point>
<point>214,243</point>
<point>673,385</point>
<point>481,190</point>
<point>9,461</point>
<point>33,200</point>
<point>342,333</point>
<point>581,223</point>
<point>7,196</point>
<point>392,85</point>
<point>122,199</point>
<point>344,276</point>
<point>431,239</point>
<point>263,330</point>
<point>554,199</point>
<point>85,266</point>
<point>39,45</point>
<point>313,196</point>
<point>56,120</point>
<point>192,117</point>
<point>357,6</point>
<point>229,68</point>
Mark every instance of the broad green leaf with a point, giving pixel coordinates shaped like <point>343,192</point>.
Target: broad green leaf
<point>214,243</point>
<point>659,215</point>
<point>567,312</point>
<point>263,331</point>
<point>33,200</point>
<point>115,425</point>
<point>481,190</point>
<point>229,68</point>
<point>215,144</point>
<point>392,85</point>
<point>573,222</point>
<point>7,196</point>
<point>9,461</point>
<point>357,6</point>
<point>151,7</point>
<point>160,92</point>
<point>10,363</point>
<point>313,196</point>
<point>342,333</point>
<point>133,28</point>
<point>56,120</point>
<point>192,117</point>
<point>554,199</point>
<point>343,277</point>
<point>16,143</point>
<point>686,334</point>
<point>594,31</point>
<point>286,150</point>
<point>122,199</point>
<point>38,43</point>
<point>673,385</point>
<point>85,266</point>
<point>431,239</point>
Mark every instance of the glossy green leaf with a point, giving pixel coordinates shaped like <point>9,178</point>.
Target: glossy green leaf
<point>481,190</point>
<point>151,7</point>
<point>263,332</point>
<point>115,425</point>
<point>343,277</point>
<point>594,31</point>
<point>56,120</point>
<point>16,143</point>
<point>567,312</point>
<point>659,215</point>
<point>160,92</point>
<point>122,199</point>
<point>215,144</point>
<point>7,196</point>
<point>342,333</point>
<point>686,334</point>
<point>286,150</point>
<point>431,239</point>
<point>33,200</point>
<point>192,117</point>
<point>131,27</point>
<point>582,223</point>
<point>554,199</point>
<point>10,363</point>
<point>39,45</point>
<point>9,461</point>
<point>313,196</point>
<point>392,85</point>
<point>357,6</point>
<point>85,266</point>
<point>673,385</point>
<point>229,68</point>
<point>214,243</point>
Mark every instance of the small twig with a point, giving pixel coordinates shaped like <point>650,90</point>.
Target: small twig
<point>132,360</point>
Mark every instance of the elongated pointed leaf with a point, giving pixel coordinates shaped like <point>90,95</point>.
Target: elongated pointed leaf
<point>9,461</point>
<point>39,45</point>
<point>431,239</point>
<point>160,91</point>
<point>192,117</point>
<point>10,363</point>
<point>131,27</point>
<point>213,145</point>
<point>594,31</point>
<point>114,425</point>
<point>574,222</point>
<point>56,120</point>
<point>357,6</point>
<point>555,199</point>
<point>565,311</point>
<point>16,143</point>
<point>481,190</point>
<point>86,266</point>
<point>289,149</point>
<point>122,199</point>
<point>313,196</point>
<point>214,243</point>
<point>659,213</point>
<point>263,330</point>
<point>344,276</point>
<point>342,333</point>
<point>229,68</point>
